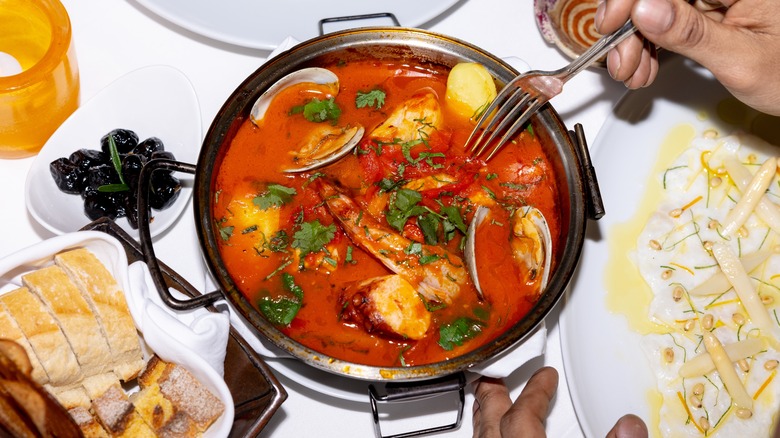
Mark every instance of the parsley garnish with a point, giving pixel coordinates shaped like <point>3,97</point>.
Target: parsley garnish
<point>374,98</point>
<point>225,233</point>
<point>312,237</point>
<point>458,332</point>
<point>319,110</point>
<point>283,310</point>
<point>275,196</point>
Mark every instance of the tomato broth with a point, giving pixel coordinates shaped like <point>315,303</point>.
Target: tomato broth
<point>290,254</point>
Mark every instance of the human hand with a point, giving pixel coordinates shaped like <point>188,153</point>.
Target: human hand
<point>495,416</point>
<point>737,40</point>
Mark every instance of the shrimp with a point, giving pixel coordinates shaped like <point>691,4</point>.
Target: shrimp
<point>437,274</point>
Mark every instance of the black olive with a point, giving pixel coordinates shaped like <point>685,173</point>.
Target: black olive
<point>149,146</point>
<point>166,155</point>
<point>68,176</point>
<point>86,158</point>
<point>131,169</point>
<point>98,176</point>
<point>125,140</point>
<point>164,190</point>
<point>110,205</point>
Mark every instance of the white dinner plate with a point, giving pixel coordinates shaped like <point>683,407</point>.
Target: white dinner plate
<point>156,101</point>
<point>606,370</point>
<point>263,24</point>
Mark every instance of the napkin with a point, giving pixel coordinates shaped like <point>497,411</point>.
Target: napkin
<point>176,334</point>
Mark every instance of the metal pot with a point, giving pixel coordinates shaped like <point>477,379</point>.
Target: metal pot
<point>579,197</point>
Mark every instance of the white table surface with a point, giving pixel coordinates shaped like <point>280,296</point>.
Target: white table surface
<point>114,37</point>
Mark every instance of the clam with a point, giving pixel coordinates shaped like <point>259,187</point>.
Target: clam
<point>312,75</point>
<point>530,242</point>
<point>324,145</point>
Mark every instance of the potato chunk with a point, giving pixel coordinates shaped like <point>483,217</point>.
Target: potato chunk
<point>470,89</point>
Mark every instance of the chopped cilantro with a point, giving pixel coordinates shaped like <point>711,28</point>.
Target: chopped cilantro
<point>514,186</point>
<point>429,224</point>
<point>490,176</point>
<point>288,281</point>
<point>275,196</point>
<point>225,233</point>
<point>319,110</point>
<point>312,237</point>
<point>279,241</point>
<point>249,229</point>
<point>458,332</point>
<point>374,98</point>
<point>280,311</point>
<point>430,258</point>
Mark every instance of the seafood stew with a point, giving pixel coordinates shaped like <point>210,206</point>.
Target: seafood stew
<point>362,258</point>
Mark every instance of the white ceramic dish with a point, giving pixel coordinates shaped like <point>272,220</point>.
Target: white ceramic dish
<point>154,101</point>
<point>111,253</point>
<point>264,24</point>
<point>606,370</point>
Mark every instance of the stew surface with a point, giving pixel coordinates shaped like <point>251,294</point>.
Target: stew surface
<point>363,260</point>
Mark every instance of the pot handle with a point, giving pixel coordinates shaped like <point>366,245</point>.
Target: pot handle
<point>147,248</point>
<point>411,391</point>
<point>595,204</point>
<point>389,15</point>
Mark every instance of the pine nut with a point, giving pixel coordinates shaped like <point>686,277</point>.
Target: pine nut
<point>688,325</point>
<point>677,293</point>
<point>704,423</point>
<point>668,355</point>
<point>676,212</point>
<point>713,224</point>
<point>738,318</point>
<point>698,389</point>
<point>770,364</point>
<point>715,181</point>
<point>752,158</point>
<point>767,299</point>
<point>654,244</point>
<point>707,321</point>
<point>707,245</point>
<point>666,274</point>
<point>744,413</point>
<point>743,365</point>
<point>710,133</point>
<point>695,401</point>
<point>743,232</point>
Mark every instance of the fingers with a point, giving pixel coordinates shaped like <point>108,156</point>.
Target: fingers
<point>492,402</point>
<point>495,415</point>
<point>628,426</point>
<point>529,412</point>
<point>633,62</point>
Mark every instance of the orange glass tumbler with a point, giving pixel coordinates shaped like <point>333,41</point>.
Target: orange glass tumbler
<point>39,76</point>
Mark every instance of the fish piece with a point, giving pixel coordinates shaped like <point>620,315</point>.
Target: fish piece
<point>415,119</point>
<point>388,306</point>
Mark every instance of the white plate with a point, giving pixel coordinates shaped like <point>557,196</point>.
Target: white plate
<point>606,370</point>
<point>264,24</point>
<point>156,101</point>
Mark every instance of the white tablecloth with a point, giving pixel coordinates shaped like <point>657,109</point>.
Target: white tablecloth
<point>114,37</point>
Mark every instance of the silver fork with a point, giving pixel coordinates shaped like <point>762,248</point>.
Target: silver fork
<point>526,93</point>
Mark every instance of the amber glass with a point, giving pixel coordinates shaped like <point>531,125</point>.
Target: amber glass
<point>35,101</point>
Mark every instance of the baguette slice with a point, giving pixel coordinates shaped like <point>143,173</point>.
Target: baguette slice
<point>107,301</point>
<point>44,334</point>
<point>189,396</point>
<point>10,330</point>
<point>118,415</point>
<point>53,286</point>
<point>87,423</point>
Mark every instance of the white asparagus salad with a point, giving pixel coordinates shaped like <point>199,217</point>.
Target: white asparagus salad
<point>710,253</point>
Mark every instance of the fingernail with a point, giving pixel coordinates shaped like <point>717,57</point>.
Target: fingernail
<point>600,10</point>
<point>653,16</point>
<point>613,63</point>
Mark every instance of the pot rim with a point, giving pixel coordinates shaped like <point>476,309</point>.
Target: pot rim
<point>432,47</point>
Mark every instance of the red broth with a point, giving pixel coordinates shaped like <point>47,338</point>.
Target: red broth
<point>260,259</point>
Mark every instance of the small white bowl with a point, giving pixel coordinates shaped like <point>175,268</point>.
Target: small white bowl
<point>568,24</point>
<point>155,101</point>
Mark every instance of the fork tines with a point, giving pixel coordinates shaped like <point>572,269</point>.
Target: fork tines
<point>515,107</point>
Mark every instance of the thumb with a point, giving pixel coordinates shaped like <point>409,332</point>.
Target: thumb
<point>677,26</point>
